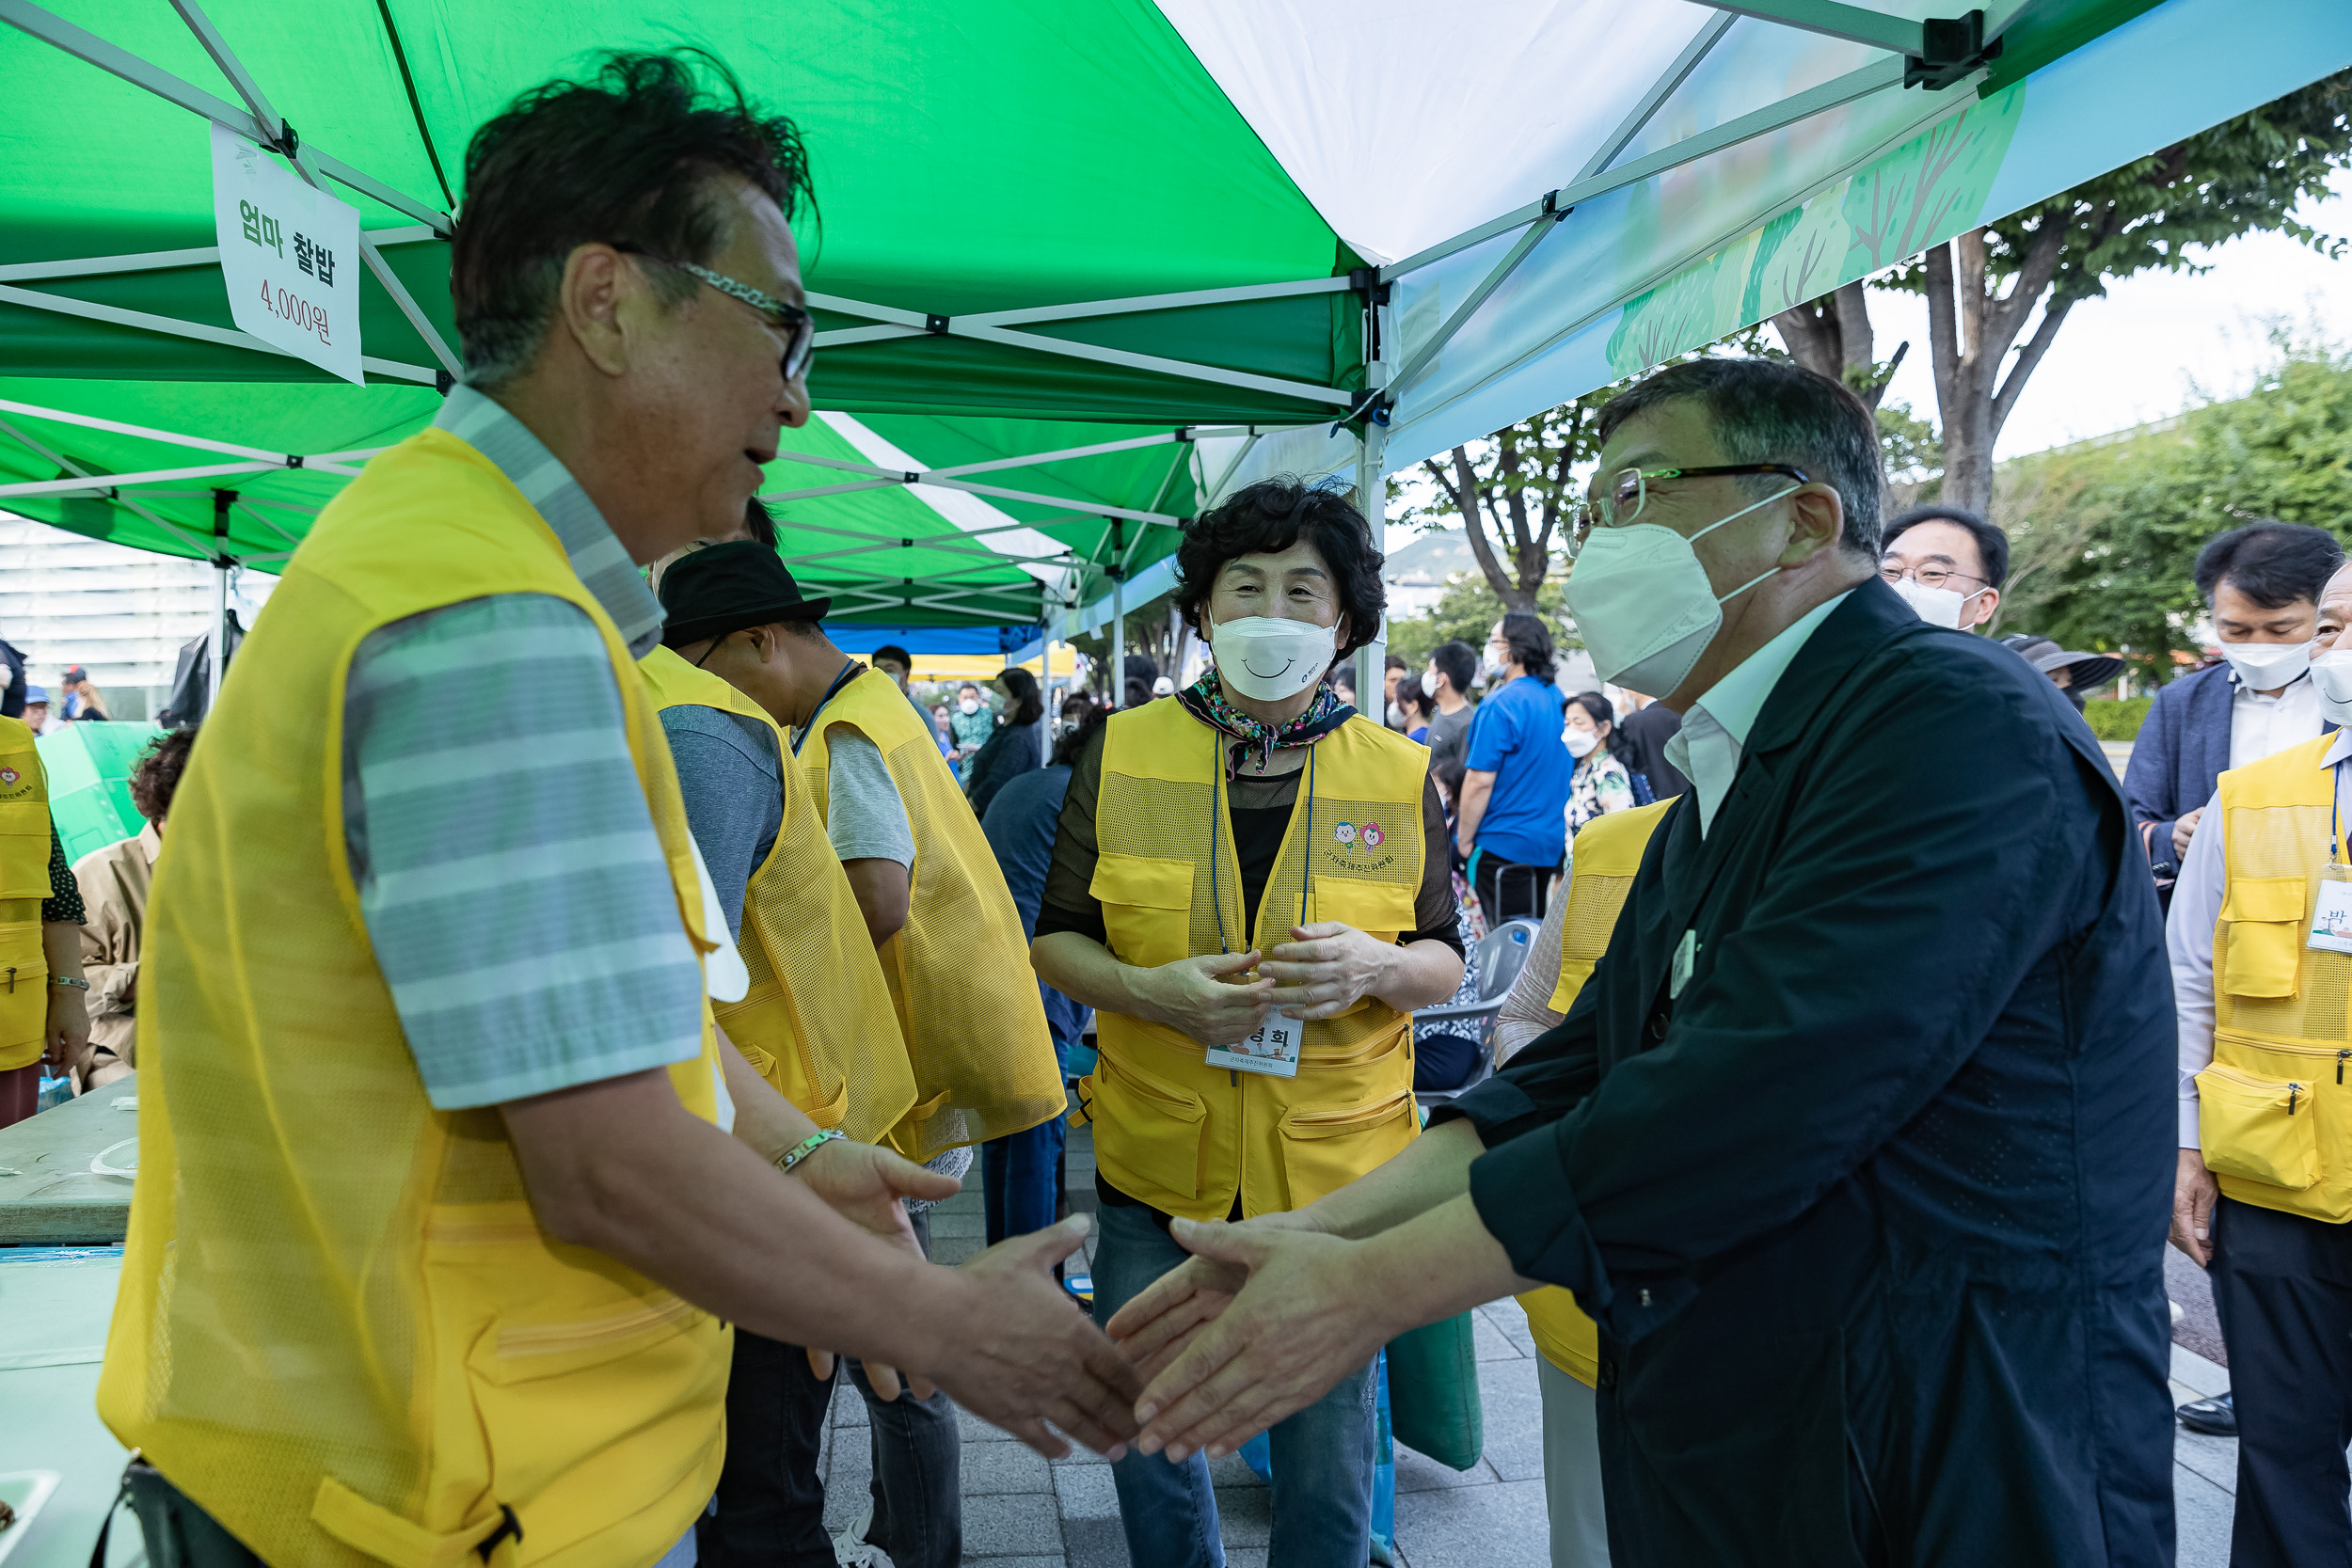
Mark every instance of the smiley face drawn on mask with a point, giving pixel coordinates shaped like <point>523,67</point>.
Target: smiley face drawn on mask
<point>1262,676</point>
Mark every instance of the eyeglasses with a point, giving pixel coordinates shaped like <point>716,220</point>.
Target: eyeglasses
<point>1628,491</point>
<point>795,326</point>
<point>1926,576</point>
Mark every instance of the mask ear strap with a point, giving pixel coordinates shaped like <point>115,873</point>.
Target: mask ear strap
<point>1745,586</point>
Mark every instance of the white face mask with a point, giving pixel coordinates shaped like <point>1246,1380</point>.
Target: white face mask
<point>1490,668</point>
<point>970,705</point>
<point>1269,658</point>
<point>1643,603</point>
<point>2268,666</point>
<point>1937,607</point>
<point>2332,672</point>
<point>1579,742</point>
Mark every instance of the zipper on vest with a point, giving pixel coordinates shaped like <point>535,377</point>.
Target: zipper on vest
<point>2293,1089</point>
<point>2340,1057</point>
<point>12,992</point>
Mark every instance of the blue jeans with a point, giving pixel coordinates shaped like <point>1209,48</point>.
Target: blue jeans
<point>917,1453</point>
<point>1322,1456</point>
<point>1020,1174</point>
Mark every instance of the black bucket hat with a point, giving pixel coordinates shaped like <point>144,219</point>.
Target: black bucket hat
<point>727,587</point>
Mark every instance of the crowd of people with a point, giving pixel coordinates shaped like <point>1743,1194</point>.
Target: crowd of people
<point>568,979</point>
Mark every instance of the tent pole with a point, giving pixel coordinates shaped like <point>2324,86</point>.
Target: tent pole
<point>1119,614</point>
<point>217,663</point>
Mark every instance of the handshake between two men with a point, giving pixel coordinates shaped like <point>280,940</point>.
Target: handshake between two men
<point>1259,1323</point>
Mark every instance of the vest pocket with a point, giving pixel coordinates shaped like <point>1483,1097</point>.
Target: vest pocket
<point>2264,916</point>
<point>2262,1129</point>
<point>1147,907</point>
<point>1381,911</point>
<point>24,991</point>
<point>1147,1130</point>
<point>1325,1147</point>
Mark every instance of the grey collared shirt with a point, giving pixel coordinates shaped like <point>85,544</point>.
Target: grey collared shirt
<point>513,885</point>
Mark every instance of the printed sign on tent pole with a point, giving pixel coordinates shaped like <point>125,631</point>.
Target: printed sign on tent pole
<point>290,254</point>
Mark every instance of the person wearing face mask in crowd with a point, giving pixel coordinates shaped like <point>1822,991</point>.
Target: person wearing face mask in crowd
<point>1602,781</point>
<point>1510,822</point>
<point>1947,564</point>
<point>1854,1141</point>
<point>971,723</point>
<point>1249,887</point>
<point>2261,584</point>
<point>2076,674</point>
<point>896,662</point>
<point>2260,962</point>
<point>1453,669</point>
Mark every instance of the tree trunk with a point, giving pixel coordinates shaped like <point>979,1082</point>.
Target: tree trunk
<point>1830,335</point>
<point>1971,330</point>
<point>1472,503</point>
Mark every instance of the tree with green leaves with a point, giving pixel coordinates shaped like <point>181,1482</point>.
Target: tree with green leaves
<point>2106,534</point>
<point>1983,287</point>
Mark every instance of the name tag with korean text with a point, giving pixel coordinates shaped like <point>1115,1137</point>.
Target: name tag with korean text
<point>2331,916</point>
<point>1678,973</point>
<point>1274,1049</point>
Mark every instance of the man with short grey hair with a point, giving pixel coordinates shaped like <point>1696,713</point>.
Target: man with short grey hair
<point>1855,1143</point>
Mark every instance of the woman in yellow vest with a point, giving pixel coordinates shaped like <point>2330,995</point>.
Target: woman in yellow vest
<point>43,1013</point>
<point>1249,884</point>
<point>1602,861</point>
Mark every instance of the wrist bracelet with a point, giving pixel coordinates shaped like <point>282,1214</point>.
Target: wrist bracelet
<point>807,1146</point>
<point>62,980</point>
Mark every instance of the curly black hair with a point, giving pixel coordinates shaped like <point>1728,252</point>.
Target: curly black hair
<point>1272,515</point>
<point>155,777</point>
<point>626,156</point>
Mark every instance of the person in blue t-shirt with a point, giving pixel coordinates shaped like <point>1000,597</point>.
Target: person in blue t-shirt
<point>1511,822</point>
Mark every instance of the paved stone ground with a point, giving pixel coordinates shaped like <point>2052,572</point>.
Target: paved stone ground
<point>1021,1512</point>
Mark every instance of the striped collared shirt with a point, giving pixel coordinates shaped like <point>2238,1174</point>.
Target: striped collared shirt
<point>513,888</point>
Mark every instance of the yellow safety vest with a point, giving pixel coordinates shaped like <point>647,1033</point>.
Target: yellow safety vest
<point>1169,1130</point>
<point>2274,1111</point>
<point>341,1328</point>
<point>957,969</point>
<point>817,1021</point>
<point>24,883</point>
<point>1606,854</point>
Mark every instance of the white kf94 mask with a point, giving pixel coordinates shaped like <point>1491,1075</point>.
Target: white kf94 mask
<point>2332,672</point>
<point>2268,666</point>
<point>1643,603</point>
<point>1270,659</point>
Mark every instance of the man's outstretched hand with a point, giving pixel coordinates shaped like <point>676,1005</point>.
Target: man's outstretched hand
<point>1307,1315</point>
<point>1155,1326</point>
<point>1023,1352</point>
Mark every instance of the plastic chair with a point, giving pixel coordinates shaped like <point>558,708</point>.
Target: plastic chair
<point>1501,955</point>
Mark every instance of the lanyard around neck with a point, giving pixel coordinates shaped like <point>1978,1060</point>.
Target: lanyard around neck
<point>849,669</point>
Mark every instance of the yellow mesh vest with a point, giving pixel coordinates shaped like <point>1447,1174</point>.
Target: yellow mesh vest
<point>1606,854</point>
<point>24,883</point>
<point>1169,1130</point>
<point>339,1328</point>
<point>959,970</point>
<point>2274,1112</point>
<point>817,1021</point>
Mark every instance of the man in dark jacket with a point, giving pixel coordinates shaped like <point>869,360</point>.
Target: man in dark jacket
<point>2261,583</point>
<point>1856,1142</point>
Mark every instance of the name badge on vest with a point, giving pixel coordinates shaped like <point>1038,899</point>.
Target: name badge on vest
<point>2331,917</point>
<point>1679,972</point>
<point>1273,1050</point>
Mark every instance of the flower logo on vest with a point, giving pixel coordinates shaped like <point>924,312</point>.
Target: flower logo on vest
<point>1345,832</point>
<point>1371,835</point>
<point>8,776</point>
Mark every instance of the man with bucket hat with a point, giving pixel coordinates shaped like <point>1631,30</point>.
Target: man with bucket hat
<point>939,917</point>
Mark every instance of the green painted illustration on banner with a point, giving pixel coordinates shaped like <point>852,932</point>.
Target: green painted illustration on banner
<point>1925,191</point>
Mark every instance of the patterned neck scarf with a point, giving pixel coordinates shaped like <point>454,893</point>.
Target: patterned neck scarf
<point>1205,700</point>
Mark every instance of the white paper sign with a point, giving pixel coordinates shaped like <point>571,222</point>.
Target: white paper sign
<point>290,255</point>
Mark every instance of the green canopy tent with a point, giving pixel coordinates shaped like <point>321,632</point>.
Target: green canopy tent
<point>1082,268</point>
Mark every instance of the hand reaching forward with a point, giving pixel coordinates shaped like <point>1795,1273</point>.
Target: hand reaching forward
<point>864,1183</point>
<point>1155,1326</point>
<point>1193,994</point>
<point>1307,1316</point>
<point>1022,1351</point>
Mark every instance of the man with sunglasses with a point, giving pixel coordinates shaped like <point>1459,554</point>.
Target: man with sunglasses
<point>1853,1142</point>
<point>443,1232</point>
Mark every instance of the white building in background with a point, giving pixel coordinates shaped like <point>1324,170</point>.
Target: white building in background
<point>120,613</point>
